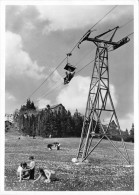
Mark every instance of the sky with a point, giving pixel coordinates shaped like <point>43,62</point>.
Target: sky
<point>38,39</point>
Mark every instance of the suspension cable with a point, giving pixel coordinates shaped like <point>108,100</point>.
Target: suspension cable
<point>61,83</point>
<point>44,95</point>
<point>47,77</point>
<point>70,52</point>
<point>93,26</point>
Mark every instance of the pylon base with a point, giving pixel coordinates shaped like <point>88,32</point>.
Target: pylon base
<point>79,161</point>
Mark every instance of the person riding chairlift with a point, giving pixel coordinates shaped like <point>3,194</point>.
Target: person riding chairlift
<point>68,77</point>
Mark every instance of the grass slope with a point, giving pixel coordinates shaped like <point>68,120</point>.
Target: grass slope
<point>105,172</point>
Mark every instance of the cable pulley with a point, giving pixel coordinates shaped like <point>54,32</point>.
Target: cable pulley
<point>121,42</point>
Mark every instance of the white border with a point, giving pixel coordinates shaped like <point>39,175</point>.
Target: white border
<point>2,82</point>
<point>136,97</point>
<point>69,2</point>
<point>2,94</point>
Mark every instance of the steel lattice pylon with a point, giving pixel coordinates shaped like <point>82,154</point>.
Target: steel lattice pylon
<point>99,103</point>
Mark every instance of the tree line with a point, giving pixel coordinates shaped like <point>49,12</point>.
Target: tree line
<point>59,122</point>
<point>48,122</point>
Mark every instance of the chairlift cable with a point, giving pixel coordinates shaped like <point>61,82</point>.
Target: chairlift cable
<point>47,77</point>
<point>90,52</point>
<point>126,23</point>
<point>129,34</point>
<point>94,59</point>
<point>93,27</point>
<point>75,47</point>
<point>54,86</point>
<point>106,37</point>
<point>125,36</point>
<point>86,64</point>
<point>70,53</point>
<point>60,84</point>
<point>77,72</point>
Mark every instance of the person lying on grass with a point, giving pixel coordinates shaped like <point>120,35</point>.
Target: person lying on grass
<point>49,146</point>
<point>45,175</point>
<point>55,144</point>
<point>22,171</point>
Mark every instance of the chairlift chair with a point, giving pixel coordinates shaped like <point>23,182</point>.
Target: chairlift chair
<point>70,73</point>
<point>70,67</point>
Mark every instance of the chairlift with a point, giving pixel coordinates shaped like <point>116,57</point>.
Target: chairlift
<point>70,67</point>
<point>70,71</point>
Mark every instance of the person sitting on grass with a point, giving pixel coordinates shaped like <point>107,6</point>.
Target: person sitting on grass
<point>57,145</point>
<point>31,167</point>
<point>45,175</point>
<point>22,172</point>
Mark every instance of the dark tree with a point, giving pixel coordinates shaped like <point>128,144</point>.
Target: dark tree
<point>78,123</point>
<point>132,133</point>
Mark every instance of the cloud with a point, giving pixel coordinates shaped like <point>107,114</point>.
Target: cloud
<point>21,19</point>
<point>67,17</point>
<point>26,19</point>
<point>56,77</point>
<point>10,102</point>
<point>74,96</point>
<point>73,17</point>
<point>18,61</point>
<point>126,121</point>
<point>10,97</point>
<point>113,95</point>
<point>27,24</point>
<point>43,103</point>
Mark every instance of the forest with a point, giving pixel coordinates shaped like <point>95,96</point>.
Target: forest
<point>58,122</point>
<point>48,122</point>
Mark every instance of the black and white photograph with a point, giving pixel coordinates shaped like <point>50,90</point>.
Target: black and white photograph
<point>69,96</point>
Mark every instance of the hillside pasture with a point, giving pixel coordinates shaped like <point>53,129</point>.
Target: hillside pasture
<point>105,171</point>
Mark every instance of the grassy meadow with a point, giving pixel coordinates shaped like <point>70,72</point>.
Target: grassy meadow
<point>106,170</point>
